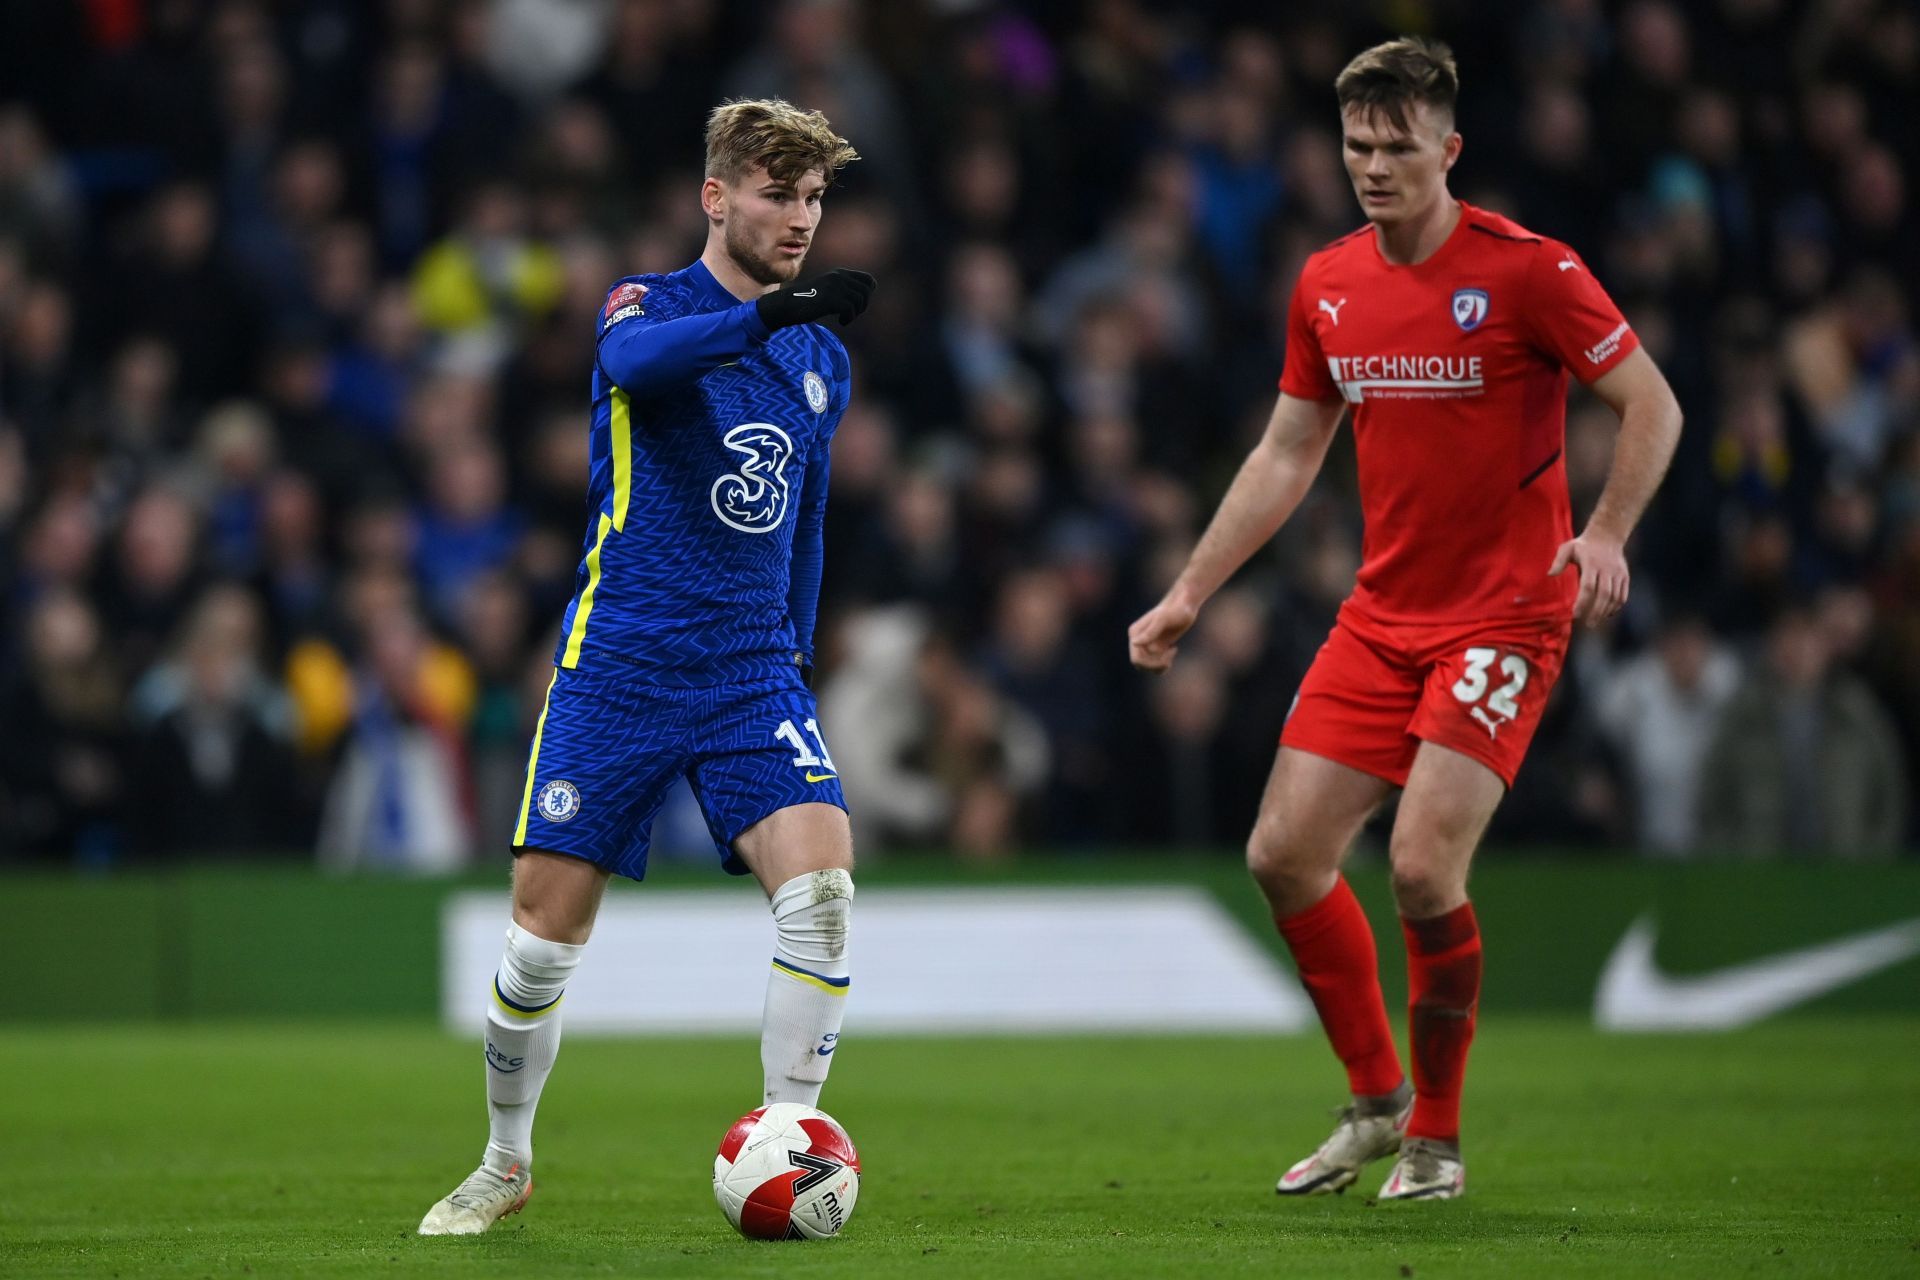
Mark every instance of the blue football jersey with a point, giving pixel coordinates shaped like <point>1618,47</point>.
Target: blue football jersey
<point>708,487</point>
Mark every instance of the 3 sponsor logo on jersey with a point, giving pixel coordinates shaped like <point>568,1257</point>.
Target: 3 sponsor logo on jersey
<point>1600,351</point>
<point>754,498</point>
<point>1407,377</point>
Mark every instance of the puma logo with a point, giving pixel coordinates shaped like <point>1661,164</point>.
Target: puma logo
<point>1333,309</point>
<point>1568,264</point>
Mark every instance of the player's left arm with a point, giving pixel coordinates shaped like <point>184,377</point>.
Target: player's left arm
<point>809,557</point>
<point>1577,324</point>
<point>809,531</point>
<point>1649,430</point>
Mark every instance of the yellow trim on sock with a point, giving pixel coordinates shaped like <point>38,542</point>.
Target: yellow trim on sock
<point>809,979</point>
<point>512,1012</point>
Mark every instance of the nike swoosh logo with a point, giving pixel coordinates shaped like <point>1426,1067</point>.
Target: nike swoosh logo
<point>1635,995</point>
<point>811,293</point>
<point>821,777</point>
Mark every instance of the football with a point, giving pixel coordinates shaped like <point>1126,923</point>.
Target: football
<point>787,1172</point>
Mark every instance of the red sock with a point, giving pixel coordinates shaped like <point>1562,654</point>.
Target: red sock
<point>1443,990</point>
<point>1332,947</point>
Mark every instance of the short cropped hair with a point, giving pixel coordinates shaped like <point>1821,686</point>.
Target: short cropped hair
<point>1389,78</point>
<point>743,134</point>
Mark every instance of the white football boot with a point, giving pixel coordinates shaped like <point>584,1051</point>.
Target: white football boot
<point>479,1202</point>
<point>1426,1170</point>
<point>1358,1140</point>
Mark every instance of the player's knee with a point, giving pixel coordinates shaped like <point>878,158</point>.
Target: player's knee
<point>1422,886</point>
<point>533,974</point>
<point>813,914</point>
<point>1287,872</point>
<point>555,896</point>
<point>1266,850</point>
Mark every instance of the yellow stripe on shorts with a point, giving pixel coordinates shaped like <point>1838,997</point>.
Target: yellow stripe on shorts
<point>533,762</point>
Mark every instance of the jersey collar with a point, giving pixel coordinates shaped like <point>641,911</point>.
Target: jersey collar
<point>1447,246</point>
<point>711,293</point>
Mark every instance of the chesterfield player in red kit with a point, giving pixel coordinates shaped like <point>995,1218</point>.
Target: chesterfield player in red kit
<point>1450,333</point>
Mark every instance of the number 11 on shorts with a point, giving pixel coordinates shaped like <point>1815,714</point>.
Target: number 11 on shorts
<point>804,756</point>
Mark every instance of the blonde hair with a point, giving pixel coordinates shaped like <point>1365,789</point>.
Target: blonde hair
<point>744,133</point>
<point>1391,77</point>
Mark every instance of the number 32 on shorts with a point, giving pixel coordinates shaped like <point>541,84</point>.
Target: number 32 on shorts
<point>1502,702</point>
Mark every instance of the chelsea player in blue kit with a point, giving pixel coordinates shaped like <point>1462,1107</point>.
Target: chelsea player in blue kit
<point>685,649</point>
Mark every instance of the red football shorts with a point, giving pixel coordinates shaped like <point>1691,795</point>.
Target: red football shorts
<point>1377,690</point>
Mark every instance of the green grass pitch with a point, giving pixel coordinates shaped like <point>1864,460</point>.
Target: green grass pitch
<point>1788,1150</point>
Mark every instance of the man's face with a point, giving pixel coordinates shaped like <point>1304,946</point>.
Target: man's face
<point>769,225</point>
<point>1397,173</point>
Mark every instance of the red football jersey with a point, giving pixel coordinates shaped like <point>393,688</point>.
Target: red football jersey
<point>1456,369</point>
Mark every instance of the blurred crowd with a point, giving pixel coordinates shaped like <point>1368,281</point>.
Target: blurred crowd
<point>296,321</point>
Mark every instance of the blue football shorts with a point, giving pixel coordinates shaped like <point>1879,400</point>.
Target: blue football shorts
<point>607,750</point>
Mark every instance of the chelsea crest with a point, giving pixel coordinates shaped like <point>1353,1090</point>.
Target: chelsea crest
<point>559,801</point>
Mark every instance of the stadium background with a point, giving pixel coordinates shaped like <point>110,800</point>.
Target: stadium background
<point>295,323</point>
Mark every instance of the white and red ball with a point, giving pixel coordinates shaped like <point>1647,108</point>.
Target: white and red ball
<point>787,1171</point>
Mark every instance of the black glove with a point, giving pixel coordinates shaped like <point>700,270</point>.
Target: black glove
<point>840,292</point>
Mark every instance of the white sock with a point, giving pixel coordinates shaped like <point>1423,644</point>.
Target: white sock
<point>807,990</point>
<point>523,1039</point>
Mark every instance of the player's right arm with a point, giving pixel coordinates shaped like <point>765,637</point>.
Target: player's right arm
<point>647,350</point>
<point>1271,483</point>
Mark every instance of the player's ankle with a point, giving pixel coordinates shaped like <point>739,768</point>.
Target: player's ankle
<point>1449,1147</point>
<point>1391,1103</point>
<point>500,1160</point>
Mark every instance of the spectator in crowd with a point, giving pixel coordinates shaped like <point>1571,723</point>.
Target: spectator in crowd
<point>939,756</point>
<point>484,284</point>
<point>398,800</point>
<point>64,780</point>
<point>891,797</point>
<point>1661,710</point>
<point>466,528</point>
<point>212,772</point>
<point>1804,760</point>
<point>157,570</point>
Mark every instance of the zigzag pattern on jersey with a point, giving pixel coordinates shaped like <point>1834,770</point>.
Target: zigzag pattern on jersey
<point>679,589</point>
<point>681,597</point>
